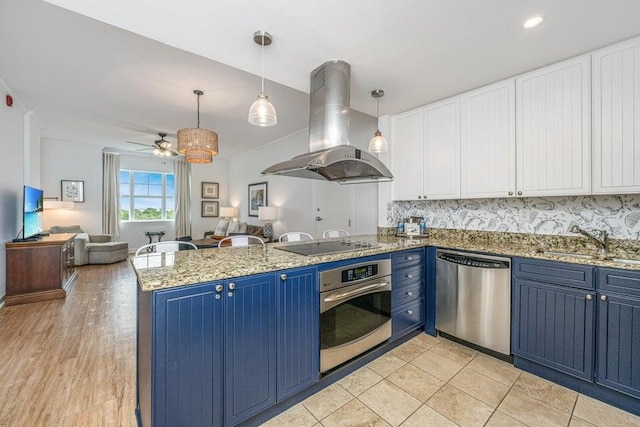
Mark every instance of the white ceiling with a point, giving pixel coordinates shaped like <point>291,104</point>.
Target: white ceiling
<point>96,83</point>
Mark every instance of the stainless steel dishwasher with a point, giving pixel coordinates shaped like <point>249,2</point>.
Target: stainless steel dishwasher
<point>473,298</point>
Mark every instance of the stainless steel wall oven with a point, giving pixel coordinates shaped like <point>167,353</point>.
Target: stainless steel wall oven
<point>355,310</point>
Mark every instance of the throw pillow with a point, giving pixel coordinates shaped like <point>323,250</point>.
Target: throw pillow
<point>242,228</point>
<point>234,227</point>
<point>221,228</point>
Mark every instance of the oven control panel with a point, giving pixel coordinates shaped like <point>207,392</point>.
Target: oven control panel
<point>354,274</point>
<point>359,273</point>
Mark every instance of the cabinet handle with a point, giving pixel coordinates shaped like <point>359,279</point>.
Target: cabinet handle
<point>424,197</point>
<point>409,276</point>
<point>603,297</point>
<point>419,197</point>
<point>410,312</point>
<point>410,294</point>
<point>218,288</point>
<point>232,286</point>
<point>408,258</point>
<point>283,276</point>
<point>519,193</point>
<point>511,193</point>
<point>589,297</point>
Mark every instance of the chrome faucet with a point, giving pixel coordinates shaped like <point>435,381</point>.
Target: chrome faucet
<point>602,241</point>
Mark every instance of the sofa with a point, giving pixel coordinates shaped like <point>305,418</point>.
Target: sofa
<point>93,248</point>
<point>233,228</point>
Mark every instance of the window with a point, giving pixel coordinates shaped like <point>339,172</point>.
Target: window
<point>146,196</point>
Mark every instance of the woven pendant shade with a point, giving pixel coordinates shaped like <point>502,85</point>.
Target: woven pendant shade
<point>198,145</point>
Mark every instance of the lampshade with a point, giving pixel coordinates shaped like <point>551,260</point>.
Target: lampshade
<point>267,213</point>
<point>198,145</point>
<point>227,212</point>
<point>262,112</point>
<point>378,143</point>
<point>57,204</point>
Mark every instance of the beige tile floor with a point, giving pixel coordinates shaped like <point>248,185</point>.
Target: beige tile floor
<point>431,381</point>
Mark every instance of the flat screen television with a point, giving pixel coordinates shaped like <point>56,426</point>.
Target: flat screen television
<point>32,212</point>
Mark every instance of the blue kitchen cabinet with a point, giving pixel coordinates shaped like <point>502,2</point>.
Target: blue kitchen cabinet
<point>554,324</point>
<point>249,346</point>
<point>298,330</point>
<point>207,352</point>
<point>185,368</point>
<point>407,297</point>
<point>619,330</point>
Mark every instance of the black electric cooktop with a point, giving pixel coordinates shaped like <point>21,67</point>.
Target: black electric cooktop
<point>331,247</point>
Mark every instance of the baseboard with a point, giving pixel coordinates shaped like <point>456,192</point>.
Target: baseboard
<point>1,302</point>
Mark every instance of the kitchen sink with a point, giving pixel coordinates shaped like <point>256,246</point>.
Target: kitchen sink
<point>567,254</point>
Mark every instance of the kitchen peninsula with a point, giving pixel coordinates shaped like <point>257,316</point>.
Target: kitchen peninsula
<point>230,336</point>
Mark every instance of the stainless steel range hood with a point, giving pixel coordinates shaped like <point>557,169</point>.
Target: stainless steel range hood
<point>331,158</point>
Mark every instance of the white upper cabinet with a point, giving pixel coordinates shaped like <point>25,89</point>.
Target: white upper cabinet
<point>407,147</point>
<point>553,117</point>
<point>441,157</point>
<point>488,155</point>
<point>616,119</point>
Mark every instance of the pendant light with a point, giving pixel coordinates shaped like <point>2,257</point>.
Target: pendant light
<point>198,145</point>
<point>262,112</point>
<point>378,143</point>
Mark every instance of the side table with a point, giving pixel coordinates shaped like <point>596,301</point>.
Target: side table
<point>154,234</point>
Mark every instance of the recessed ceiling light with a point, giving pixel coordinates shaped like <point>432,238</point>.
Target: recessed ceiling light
<point>533,22</point>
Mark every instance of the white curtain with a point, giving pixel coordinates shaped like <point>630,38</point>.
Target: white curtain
<point>182,173</point>
<point>111,195</point>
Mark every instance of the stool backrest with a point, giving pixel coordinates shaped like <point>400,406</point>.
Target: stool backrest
<point>295,236</point>
<point>241,240</point>
<point>168,246</point>
<point>335,232</point>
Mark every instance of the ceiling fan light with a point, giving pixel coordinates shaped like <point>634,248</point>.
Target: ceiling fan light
<point>262,112</point>
<point>378,143</point>
<point>156,151</point>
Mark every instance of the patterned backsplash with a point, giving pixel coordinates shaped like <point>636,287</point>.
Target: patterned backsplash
<point>619,214</point>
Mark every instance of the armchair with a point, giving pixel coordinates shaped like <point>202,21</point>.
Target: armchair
<point>94,248</point>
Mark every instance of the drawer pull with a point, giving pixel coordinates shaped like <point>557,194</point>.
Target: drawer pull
<point>283,276</point>
<point>603,297</point>
<point>409,276</point>
<point>409,294</point>
<point>232,286</point>
<point>589,297</point>
<point>218,288</point>
<point>409,258</point>
<point>410,312</point>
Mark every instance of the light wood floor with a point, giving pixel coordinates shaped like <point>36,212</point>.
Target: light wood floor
<point>71,362</point>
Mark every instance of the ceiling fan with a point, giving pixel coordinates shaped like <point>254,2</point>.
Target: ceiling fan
<point>161,148</point>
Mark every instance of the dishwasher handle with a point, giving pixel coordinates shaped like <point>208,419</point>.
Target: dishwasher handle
<point>475,262</point>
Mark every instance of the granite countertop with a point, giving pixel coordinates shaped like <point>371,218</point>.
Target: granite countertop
<point>166,270</point>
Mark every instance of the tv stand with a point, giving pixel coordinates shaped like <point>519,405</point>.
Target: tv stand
<point>39,270</point>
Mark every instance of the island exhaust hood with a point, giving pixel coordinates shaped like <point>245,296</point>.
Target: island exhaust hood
<point>331,158</point>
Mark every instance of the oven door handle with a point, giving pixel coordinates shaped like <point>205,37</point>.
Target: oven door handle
<point>362,290</point>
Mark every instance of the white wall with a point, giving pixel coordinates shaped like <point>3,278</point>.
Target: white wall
<point>294,196</point>
<point>15,170</point>
<point>76,162</point>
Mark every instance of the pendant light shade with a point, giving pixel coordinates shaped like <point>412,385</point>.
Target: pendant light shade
<point>378,143</point>
<point>262,112</point>
<point>198,145</point>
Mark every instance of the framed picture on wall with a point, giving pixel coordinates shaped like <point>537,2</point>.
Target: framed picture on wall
<point>72,191</point>
<point>210,190</point>
<point>257,197</point>
<point>209,209</point>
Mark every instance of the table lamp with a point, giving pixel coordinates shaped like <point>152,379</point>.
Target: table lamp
<point>266,214</point>
<point>227,212</point>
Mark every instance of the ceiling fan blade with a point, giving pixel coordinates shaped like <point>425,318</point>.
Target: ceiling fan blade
<point>139,143</point>
<point>144,149</point>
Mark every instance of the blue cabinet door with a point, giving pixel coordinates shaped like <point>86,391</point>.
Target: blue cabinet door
<point>250,346</point>
<point>298,330</point>
<point>187,365</point>
<point>554,326</point>
<point>619,343</point>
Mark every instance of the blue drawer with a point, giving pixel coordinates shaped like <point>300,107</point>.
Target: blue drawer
<point>620,281</point>
<point>404,295</point>
<point>559,273</point>
<point>407,258</point>
<point>408,276</point>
